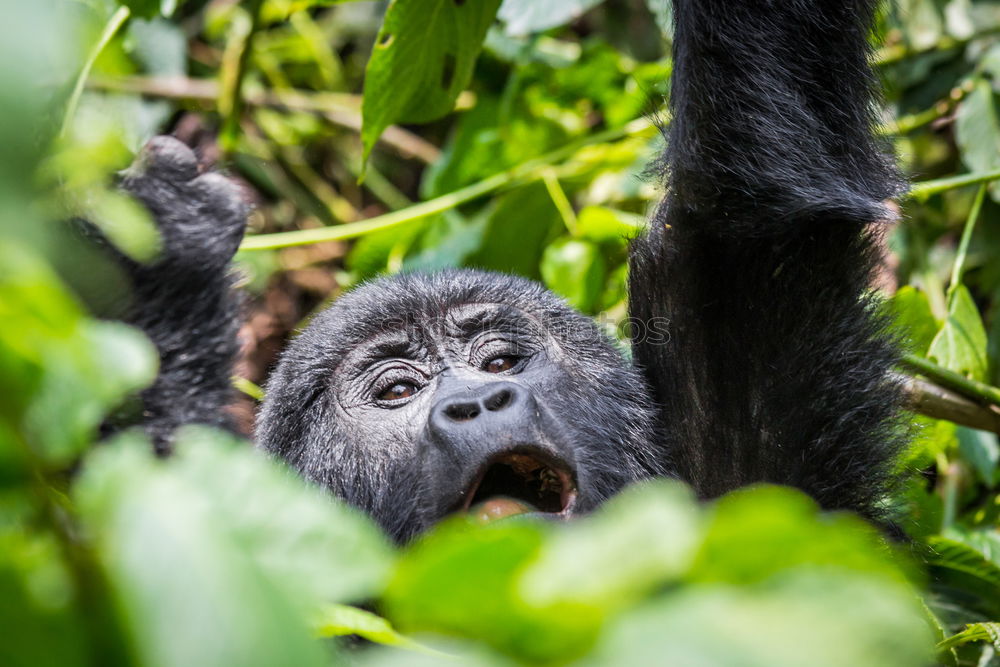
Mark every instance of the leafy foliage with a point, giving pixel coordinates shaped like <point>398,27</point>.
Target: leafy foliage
<point>534,140</point>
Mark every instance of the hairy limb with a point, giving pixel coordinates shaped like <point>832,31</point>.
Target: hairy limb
<point>184,301</point>
<point>760,255</point>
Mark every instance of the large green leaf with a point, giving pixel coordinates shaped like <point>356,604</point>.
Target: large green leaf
<point>960,345</point>
<point>462,581</point>
<point>662,516</point>
<point>60,372</point>
<point>224,549</point>
<point>422,60</point>
<point>756,533</point>
<point>805,617</point>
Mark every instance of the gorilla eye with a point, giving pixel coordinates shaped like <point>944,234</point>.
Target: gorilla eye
<point>500,364</point>
<point>398,391</point>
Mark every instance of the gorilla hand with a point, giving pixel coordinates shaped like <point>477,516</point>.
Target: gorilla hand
<point>184,300</point>
<point>201,217</point>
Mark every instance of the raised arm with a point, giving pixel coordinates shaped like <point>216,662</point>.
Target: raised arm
<point>184,301</point>
<point>761,253</point>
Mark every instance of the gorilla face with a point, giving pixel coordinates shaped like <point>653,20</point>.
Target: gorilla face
<point>418,396</point>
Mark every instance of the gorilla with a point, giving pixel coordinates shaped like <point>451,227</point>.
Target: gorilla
<point>757,353</point>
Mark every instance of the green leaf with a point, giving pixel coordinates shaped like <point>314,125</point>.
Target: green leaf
<point>977,131</point>
<point>758,532</point>
<point>974,632</point>
<point>60,373</point>
<point>522,17</point>
<point>189,593</point>
<point>913,318</point>
<point>574,269</point>
<point>142,8</point>
<point>802,617</point>
<point>337,620</point>
<point>960,345</point>
<point>960,568</point>
<point>662,516</point>
<point>225,548</point>
<point>517,227</point>
<point>982,450</point>
<point>462,580</point>
<point>603,225</point>
<point>422,59</point>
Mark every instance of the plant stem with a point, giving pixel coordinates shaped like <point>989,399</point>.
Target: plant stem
<point>249,388</point>
<point>963,244</point>
<point>560,200</point>
<point>978,391</point>
<point>524,172</point>
<point>923,191</point>
<point>234,66</point>
<point>893,54</point>
<point>114,24</point>
<point>341,109</point>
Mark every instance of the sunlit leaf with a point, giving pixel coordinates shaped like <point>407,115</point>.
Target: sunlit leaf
<point>337,620</point>
<point>574,269</point>
<point>804,617</point>
<point>602,224</point>
<point>960,345</point>
<point>223,547</point>
<point>663,517</point>
<point>459,568</point>
<point>912,316</point>
<point>422,60</point>
<point>975,632</point>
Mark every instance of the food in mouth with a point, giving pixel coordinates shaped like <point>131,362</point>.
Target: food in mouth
<point>521,482</point>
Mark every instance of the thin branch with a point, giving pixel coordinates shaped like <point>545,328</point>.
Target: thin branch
<point>973,389</point>
<point>963,244</point>
<point>937,402</point>
<point>342,109</point>
<point>941,109</point>
<point>234,67</point>
<point>888,55</point>
<point>525,172</point>
<point>921,192</point>
<point>114,24</point>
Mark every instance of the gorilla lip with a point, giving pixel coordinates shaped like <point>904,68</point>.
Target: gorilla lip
<point>523,480</point>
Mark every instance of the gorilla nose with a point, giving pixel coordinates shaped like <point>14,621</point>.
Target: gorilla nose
<point>496,399</point>
<point>496,404</point>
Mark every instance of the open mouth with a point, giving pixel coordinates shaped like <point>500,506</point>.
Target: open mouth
<point>521,482</point>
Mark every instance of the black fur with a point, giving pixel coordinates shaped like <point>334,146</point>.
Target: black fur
<point>775,364</point>
<point>762,251</point>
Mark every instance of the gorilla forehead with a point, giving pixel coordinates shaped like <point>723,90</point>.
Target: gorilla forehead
<point>420,307</point>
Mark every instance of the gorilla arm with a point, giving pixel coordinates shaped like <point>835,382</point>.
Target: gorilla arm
<point>761,253</point>
<point>184,301</point>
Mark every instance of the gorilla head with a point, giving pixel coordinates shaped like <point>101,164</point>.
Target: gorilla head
<point>420,395</point>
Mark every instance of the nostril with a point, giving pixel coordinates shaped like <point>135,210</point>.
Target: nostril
<point>499,400</point>
<point>461,412</point>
